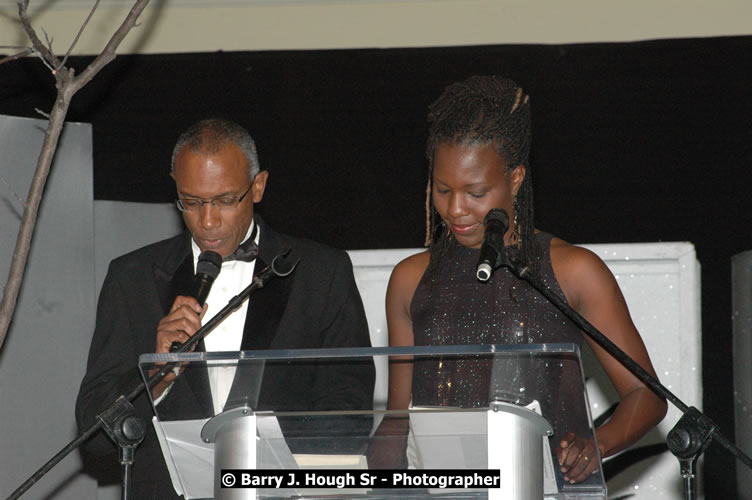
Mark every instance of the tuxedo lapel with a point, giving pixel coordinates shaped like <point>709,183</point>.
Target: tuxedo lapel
<point>174,276</point>
<point>265,309</point>
<point>265,305</point>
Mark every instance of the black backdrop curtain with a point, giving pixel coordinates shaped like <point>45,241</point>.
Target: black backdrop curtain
<point>632,142</point>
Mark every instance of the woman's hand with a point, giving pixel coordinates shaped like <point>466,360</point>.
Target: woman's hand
<point>578,458</point>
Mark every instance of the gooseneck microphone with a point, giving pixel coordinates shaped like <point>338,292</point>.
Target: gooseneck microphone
<point>207,269</point>
<point>492,249</point>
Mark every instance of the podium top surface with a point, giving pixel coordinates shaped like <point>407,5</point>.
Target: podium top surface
<point>432,350</point>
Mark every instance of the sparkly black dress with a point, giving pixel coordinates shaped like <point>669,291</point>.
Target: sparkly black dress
<point>452,307</point>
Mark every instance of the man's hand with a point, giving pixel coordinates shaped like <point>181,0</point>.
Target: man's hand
<point>179,325</point>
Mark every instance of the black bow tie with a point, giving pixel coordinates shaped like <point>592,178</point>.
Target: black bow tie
<point>247,251</point>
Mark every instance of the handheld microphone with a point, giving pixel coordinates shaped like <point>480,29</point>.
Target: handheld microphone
<point>492,249</point>
<point>207,269</point>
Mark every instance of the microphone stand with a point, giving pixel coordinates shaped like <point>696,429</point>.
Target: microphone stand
<point>119,419</point>
<point>691,435</point>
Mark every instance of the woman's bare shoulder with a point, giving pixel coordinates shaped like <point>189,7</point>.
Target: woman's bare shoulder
<point>399,295</point>
<point>409,270</point>
<point>572,258</point>
<point>579,271</point>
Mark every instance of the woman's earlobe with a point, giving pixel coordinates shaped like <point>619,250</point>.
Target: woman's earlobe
<point>518,177</point>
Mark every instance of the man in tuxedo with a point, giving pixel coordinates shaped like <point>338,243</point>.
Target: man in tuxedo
<point>145,305</point>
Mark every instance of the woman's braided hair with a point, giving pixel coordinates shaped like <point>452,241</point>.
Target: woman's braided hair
<point>483,110</point>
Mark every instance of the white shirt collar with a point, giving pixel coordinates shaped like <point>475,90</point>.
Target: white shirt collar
<point>197,251</point>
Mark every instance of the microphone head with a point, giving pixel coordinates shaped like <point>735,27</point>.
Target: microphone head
<point>209,264</point>
<point>497,216</point>
<point>492,250</point>
<point>496,223</point>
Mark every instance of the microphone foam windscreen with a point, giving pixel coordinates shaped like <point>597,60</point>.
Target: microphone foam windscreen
<point>209,263</point>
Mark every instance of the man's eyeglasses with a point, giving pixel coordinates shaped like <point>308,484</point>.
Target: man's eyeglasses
<point>222,203</point>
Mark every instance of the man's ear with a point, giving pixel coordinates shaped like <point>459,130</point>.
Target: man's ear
<point>259,185</point>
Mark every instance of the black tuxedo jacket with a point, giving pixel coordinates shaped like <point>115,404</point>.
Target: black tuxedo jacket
<point>317,306</point>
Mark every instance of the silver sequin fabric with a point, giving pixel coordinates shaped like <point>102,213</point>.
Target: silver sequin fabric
<point>451,307</point>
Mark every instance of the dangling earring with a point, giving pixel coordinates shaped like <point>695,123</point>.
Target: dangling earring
<point>516,239</point>
<point>448,233</point>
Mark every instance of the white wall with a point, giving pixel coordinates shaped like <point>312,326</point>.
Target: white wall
<point>43,358</point>
<point>209,25</point>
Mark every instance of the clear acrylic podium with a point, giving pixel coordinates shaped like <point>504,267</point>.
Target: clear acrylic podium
<point>476,409</point>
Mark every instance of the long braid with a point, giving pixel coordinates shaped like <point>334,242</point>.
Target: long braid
<point>483,110</point>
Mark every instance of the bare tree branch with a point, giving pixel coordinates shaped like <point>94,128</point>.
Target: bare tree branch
<point>67,85</point>
<point>45,62</point>
<point>15,47</point>
<point>36,43</point>
<point>21,54</point>
<point>49,42</point>
<point>78,35</point>
<point>108,53</point>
